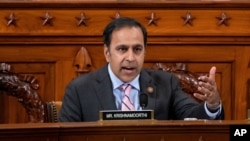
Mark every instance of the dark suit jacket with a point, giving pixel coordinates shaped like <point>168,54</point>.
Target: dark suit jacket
<point>86,95</point>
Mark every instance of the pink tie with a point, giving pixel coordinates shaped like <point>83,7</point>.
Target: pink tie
<point>127,105</point>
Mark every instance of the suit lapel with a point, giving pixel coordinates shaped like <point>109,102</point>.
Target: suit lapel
<point>104,90</point>
<point>146,82</point>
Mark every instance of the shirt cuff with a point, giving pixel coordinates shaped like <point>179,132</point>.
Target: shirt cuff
<point>213,115</point>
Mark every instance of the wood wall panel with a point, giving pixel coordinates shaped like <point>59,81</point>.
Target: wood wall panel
<point>48,51</point>
<point>241,73</point>
<point>44,73</point>
<point>170,21</point>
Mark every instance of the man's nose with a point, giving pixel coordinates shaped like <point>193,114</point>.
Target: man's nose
<point>130,55</point>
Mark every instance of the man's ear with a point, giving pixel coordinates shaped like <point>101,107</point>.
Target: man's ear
<point>106,53</point>
<point>106,50</point>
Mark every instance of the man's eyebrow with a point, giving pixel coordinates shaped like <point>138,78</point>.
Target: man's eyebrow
<point>122,45</point>
<point>138,45</point>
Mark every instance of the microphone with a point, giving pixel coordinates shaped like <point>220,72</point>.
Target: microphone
<point>143,100</point>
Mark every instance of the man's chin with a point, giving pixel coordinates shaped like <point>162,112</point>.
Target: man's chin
<point>127,78</point>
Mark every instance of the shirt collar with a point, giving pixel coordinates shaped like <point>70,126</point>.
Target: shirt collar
<point>117,82</point>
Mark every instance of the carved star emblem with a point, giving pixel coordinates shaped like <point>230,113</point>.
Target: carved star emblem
<point>47,19</point>
<point>82,20</point>
<point>223,19</point>
<point>117,15</point>
<point>152,19</point>
<point>188,19</point>
<point>11,20</point>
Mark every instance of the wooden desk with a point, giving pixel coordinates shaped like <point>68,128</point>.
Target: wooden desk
<point>121,131</point>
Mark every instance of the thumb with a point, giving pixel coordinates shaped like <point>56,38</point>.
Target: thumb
<point>212,73</point>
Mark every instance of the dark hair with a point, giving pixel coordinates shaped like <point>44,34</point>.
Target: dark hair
<point>120,23</point>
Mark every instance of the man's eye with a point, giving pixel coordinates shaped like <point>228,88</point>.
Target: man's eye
<point>138,49</point>
<point>122,49</point>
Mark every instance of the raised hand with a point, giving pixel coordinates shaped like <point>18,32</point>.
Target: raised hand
<point>208,90</point>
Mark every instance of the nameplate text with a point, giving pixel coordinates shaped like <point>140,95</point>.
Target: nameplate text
<point>126,115</point>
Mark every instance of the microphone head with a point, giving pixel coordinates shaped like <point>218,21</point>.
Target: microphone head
<point>143,100</point>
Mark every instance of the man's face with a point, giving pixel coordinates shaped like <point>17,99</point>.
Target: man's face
<point>126,53</point>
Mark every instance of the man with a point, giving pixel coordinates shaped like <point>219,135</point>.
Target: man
<point>125,42</point>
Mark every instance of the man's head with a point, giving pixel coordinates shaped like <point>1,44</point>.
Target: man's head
<point>125,40</point>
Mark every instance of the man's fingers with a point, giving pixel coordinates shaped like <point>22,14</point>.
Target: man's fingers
<point>212,73</point>
<point>202,97</point>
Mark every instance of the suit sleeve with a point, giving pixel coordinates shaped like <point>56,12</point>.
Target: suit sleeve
<point>70,111</point>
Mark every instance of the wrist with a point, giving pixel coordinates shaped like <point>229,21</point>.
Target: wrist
<point>213,107</point>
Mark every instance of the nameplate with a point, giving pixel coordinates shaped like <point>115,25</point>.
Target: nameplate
<point>126,115</point>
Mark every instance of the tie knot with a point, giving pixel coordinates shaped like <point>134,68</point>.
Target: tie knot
<point>126,87</point>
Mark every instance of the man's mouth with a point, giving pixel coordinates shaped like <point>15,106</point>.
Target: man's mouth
<point>128,68</point>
